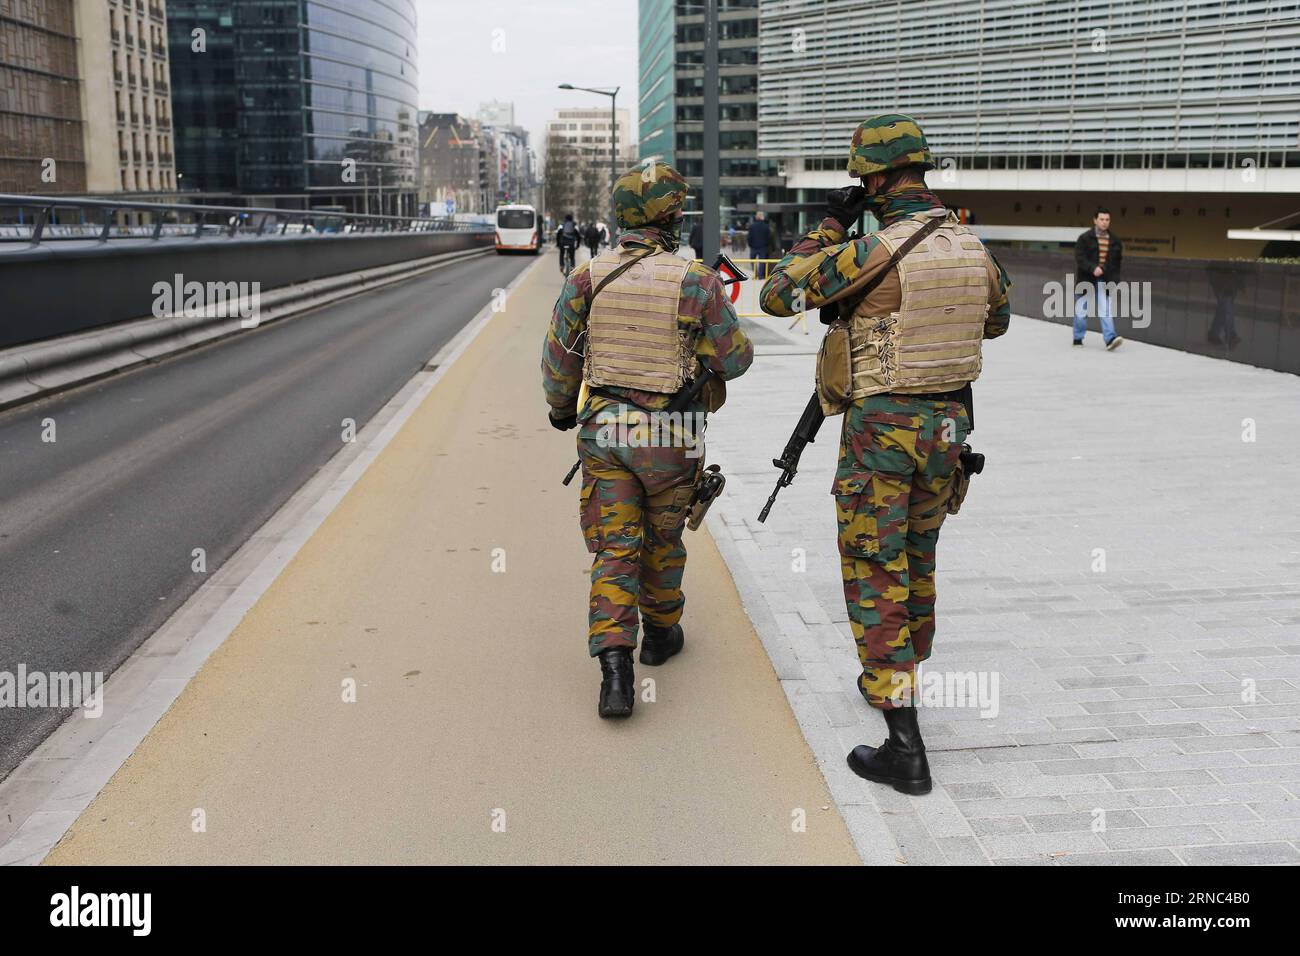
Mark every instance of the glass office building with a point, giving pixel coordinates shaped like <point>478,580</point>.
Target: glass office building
<point>311,101</point>
<point>1187,111</point>
<point>671,104</point>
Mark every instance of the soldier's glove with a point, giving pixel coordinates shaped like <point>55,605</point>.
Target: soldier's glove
<point>846,204</point>
<point>563,423</point>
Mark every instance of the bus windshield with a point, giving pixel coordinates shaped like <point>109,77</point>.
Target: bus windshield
<point>515,218</point>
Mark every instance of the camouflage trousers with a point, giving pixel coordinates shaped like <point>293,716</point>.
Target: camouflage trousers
<point>898,458</point>
<point>633,511</point>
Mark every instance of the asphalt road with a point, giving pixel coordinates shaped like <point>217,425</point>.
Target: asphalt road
<point>98,528</point>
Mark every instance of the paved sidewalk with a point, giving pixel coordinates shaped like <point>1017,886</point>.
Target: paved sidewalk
<point>1124,734</point>
<point>449,589</point>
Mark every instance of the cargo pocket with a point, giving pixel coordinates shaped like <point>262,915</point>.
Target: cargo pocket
<point>855,517</point>
<point>589,513</point>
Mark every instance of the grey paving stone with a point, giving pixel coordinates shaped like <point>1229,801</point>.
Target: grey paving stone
<point>1155,857</point>
<point>1083,820</point>
<point>1013,754</point>
<point>1259,831</point>
<point>1139,670</point>
<point>1236,742</point>
<point>1159,778</point>
<point>1122,799</point>
<point>1017,845</point>
<point>998,826</point>
<point>1212,813</point>
<point>963,851</point>
<point>1151,836</point>
<point>1240,854</point>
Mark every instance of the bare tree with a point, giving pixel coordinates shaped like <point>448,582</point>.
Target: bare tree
<point>575,182</point>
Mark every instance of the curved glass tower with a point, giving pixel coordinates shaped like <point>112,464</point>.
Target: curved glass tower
<point>359,86</point>
<point>310,101</point>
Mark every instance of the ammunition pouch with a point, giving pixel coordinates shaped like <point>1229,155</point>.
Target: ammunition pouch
<point>835,369</point>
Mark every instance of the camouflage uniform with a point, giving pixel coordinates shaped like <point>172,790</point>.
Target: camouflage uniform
<point>632,495</point>
<point>897,453</point>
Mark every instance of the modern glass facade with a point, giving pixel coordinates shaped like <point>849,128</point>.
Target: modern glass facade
<point>672,99</point>
<point>314,97</point>
<point>1038,84</point>
<point>656,53</point>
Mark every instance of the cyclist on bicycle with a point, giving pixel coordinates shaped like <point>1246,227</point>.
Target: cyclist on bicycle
<point>567,238</point>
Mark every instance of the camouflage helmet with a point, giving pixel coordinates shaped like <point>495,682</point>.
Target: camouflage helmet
<point>885,142</point>
<point>648,194</point>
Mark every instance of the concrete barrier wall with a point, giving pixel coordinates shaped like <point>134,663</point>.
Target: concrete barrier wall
<point>64,287</point>
<point>1246,312</point>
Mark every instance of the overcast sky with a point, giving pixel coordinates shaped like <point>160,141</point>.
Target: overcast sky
<point>472,51</point>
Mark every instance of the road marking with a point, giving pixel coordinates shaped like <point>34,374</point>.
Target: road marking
<point>49,790</point>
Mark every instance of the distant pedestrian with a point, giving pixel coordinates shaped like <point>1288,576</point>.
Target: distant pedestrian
<point>591,238</point>
<point>760,243</point>
<point>697,239</point>
<point>1097,257</point>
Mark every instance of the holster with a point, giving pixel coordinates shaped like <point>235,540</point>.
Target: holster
<point>926,514</point>
<point>707,488</point>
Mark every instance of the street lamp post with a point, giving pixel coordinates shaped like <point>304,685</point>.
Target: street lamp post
<point>613,146</point>
<point>712,226</point>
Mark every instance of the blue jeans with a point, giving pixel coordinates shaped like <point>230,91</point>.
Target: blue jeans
<point>1103,313</point>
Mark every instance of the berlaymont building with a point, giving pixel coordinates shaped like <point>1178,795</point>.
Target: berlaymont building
<point>1181,116</point>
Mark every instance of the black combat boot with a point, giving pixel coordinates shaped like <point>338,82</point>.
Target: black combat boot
<point>617,684</point>
<point>659,644</point>
<point>900,760</point>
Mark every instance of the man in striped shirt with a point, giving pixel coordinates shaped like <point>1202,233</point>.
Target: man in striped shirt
<point>1097,256</point>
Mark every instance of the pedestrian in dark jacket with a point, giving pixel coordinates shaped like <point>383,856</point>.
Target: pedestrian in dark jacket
<point>760,242</point>
<point>1098,255</point>
<point>697,239</point>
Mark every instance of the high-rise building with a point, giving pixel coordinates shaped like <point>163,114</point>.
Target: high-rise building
<point>84,99</point>
<point>587,130</point>
<point>671,105</point>
<point>455,161</point>
<point>1181,116</point>
<point>303,103</point>
<point>41,144</point>
<point>128,122</point>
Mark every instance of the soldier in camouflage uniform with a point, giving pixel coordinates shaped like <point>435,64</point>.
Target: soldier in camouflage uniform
<point>915,347</point>
<point>627,352</point>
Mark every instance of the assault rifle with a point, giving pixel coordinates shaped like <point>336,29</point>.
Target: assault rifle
<point>805,433</point>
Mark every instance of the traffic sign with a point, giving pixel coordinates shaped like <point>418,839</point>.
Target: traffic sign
<point>731,279</point>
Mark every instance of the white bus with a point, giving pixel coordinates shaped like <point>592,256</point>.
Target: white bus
<point>519,229</point>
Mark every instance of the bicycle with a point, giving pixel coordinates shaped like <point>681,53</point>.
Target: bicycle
<point>567,256</point>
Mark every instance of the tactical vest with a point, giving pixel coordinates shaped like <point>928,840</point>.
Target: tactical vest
<point>633,338</point>
<point>932,343</point>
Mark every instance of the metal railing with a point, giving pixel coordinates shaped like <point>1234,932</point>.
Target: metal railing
<point>63,218</point>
